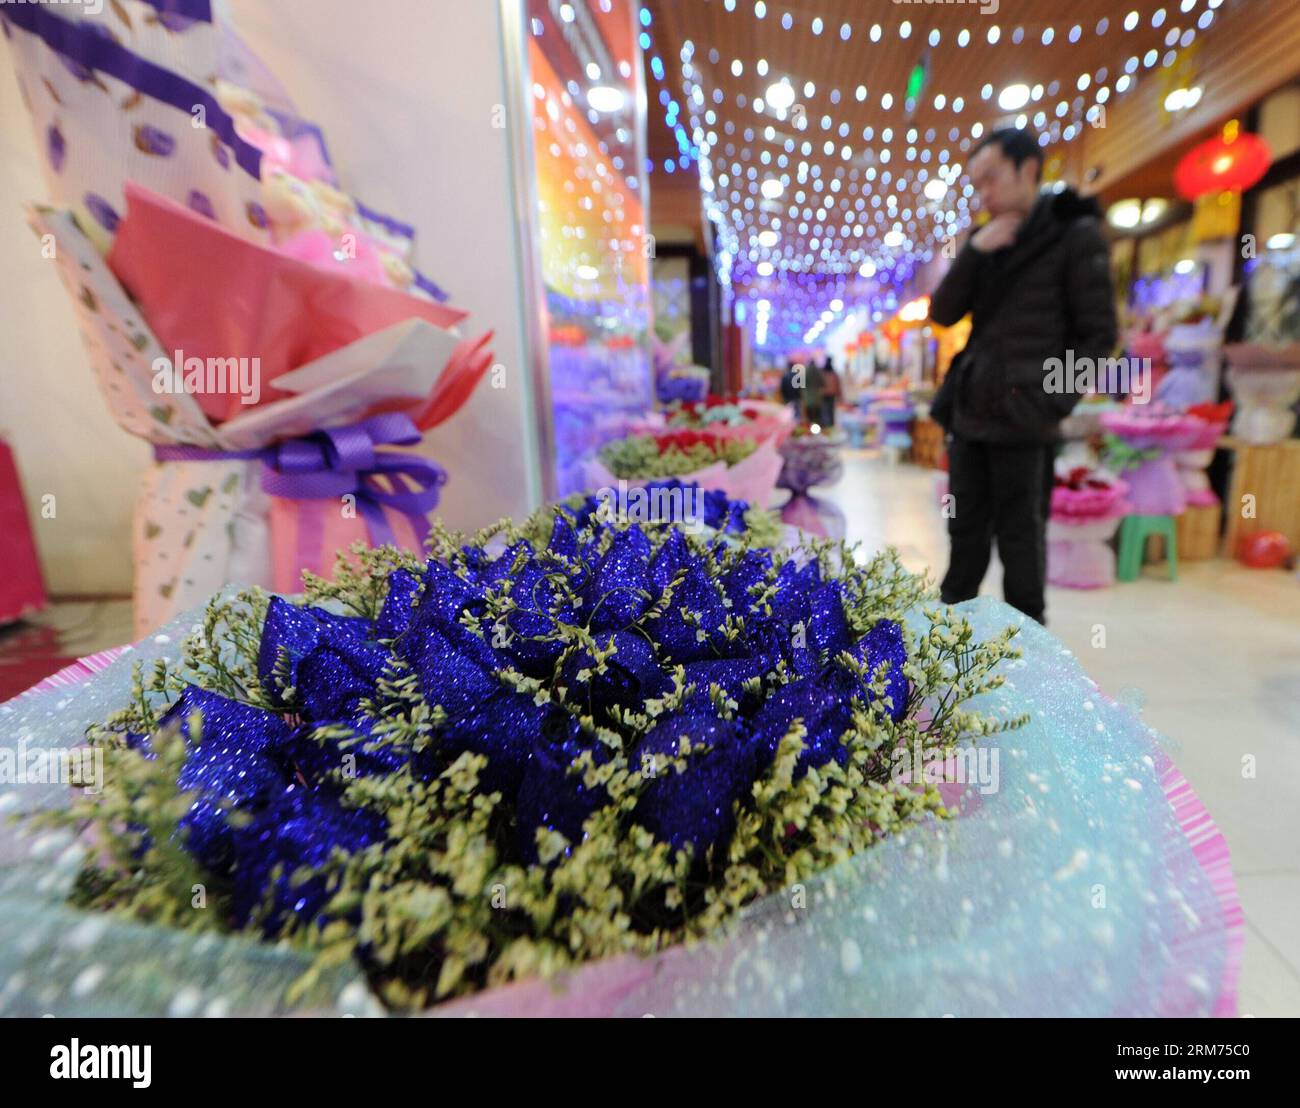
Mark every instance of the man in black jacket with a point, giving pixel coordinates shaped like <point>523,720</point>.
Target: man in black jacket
<point>1036,280</point>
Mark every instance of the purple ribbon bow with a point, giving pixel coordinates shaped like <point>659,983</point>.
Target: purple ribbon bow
<point>342,461</point>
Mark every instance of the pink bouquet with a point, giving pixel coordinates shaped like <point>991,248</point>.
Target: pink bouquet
<point>1086,510</point>
<point>262,329</point>
<point>1152,428</point>
<point>1141,444</point>
<point>1087,496</point>
<point>280,485</point>
<point>275,309</point>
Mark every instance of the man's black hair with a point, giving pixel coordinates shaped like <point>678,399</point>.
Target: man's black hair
<point>1015,144</point>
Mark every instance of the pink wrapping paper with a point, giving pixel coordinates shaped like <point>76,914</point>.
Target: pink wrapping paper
<point>283,311</point>
<point>306,535</point>
<point>752,479</point>
<point>1089,503</point>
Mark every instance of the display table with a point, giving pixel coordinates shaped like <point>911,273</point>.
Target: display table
<point>1271,476</point>
<point>1197,532</point>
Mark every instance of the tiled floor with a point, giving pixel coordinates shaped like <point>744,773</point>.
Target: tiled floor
<point>1214,663</point>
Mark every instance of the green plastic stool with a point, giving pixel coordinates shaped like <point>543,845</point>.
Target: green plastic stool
<point>1133,534</point>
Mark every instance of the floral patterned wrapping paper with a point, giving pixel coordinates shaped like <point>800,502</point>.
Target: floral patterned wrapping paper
<point>197,524</point>
<point>97,128</point>
<point>200,524</point>
<point>124,100</point>
<point>1089,881</point>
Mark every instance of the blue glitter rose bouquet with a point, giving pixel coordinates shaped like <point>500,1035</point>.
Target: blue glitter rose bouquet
<point>585,737</point>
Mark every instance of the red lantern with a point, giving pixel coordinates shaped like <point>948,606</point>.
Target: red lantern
<point>1231,162</point>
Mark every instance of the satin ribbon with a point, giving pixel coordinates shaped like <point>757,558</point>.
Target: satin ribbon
<point>342,461</point>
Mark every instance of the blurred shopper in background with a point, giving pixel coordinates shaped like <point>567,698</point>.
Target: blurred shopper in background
<point>789,389</point>
<point>830,393</point>
<point>814,388</point>
<point>1036,280</point>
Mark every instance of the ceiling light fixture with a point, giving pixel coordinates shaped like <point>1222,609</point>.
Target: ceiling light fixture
<point>780,95</point>
<point>1013,97</point>
<point>606,98</point>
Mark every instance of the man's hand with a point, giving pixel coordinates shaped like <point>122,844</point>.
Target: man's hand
<point>998,233</point>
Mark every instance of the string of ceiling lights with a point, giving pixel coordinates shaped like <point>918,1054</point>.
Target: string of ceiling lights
<point>810,209</point>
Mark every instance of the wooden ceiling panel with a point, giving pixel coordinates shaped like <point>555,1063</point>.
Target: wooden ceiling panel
<point>849,63</point>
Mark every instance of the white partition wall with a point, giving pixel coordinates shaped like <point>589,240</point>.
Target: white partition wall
<point>413,100</point>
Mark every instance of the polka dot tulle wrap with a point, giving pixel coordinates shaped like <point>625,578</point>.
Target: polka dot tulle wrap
<point>1080,877</point>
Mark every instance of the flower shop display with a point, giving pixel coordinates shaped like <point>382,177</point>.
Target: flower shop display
<point>743,468</point>
<point>666,501</point>
<point>180,190</point>
<point>1212,420</point>
<point>1264,373</point>
<point>1141,443</point>
<point>1194,350</point>
<point>812,456</point>
<point>1147,347</point>
<point>713,411</point>
<point>1086,510</point>
<point>681,384</point>
<point>675,381</point>
<point>634,771</point>
<point>740,418</point>
<point>600,389</point>
<point>895,419</point>
<point>721,418</point>
<point>1084,423</point>
<point>1265,384</point>
<point>855,424</point>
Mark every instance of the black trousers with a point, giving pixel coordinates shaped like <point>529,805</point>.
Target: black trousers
<point>1003,493</point>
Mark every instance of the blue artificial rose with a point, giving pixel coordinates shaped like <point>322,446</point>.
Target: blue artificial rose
<point>295,632</point>
<point>233,764</point>
<point>619,589</point>
<point>695,807</point>
<point>632,676</point>
<point>300,830</point>
<point>554,795</point>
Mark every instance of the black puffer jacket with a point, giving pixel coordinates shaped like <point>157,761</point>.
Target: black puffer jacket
<point>1048,292</point>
